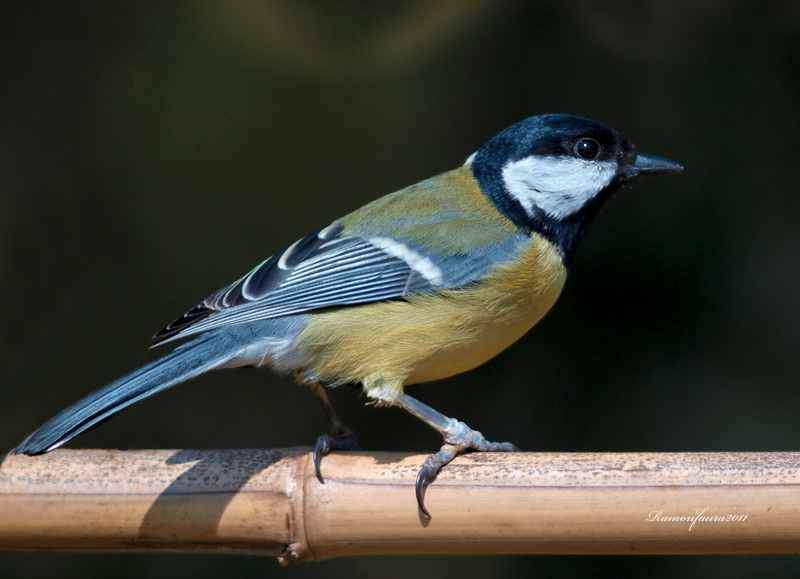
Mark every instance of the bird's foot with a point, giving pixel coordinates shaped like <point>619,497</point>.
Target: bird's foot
<point>458,439</point>
<point>343,439</point>
<point>342,436</point>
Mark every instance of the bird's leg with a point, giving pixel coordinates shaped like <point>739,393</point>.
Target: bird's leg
<point>341,437</point>
<point>458,438</point>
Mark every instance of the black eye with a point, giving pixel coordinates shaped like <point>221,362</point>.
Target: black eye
<point>587,148</point>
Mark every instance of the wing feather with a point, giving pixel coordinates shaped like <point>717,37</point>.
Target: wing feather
<point>327,269</point>
<point>313,273</point>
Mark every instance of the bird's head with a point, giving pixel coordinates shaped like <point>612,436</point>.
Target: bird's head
<point>551,173</point>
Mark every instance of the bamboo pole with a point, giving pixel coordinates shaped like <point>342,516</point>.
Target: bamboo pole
<point>269,502</point>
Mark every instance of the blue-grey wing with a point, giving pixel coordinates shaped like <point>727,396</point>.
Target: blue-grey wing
<point>321,270</point>
<point>326,270</point>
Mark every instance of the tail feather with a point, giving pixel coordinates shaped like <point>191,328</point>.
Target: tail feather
<point>185,362</point>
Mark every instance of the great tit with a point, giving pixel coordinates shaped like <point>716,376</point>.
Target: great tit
<point>421,284</point>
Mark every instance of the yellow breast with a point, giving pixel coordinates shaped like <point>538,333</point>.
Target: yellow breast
<point>388,345</point>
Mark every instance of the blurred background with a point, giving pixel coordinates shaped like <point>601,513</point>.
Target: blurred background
<point>152,152</point>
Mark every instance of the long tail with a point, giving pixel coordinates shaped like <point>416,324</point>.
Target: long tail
<point>185,362</point>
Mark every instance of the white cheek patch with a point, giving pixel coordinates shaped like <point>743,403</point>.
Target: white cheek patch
<point>559,186</point>
<point>422,265</point>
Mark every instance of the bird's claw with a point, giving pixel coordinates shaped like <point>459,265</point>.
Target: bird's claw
<point>321,448</point>
<point>459,438</point>
<point>345,439</point>
<point>427,474</point>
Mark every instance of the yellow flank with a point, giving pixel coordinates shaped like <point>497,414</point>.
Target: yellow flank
<point>387,345</point>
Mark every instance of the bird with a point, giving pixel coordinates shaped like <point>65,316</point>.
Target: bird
<point>419,285</point>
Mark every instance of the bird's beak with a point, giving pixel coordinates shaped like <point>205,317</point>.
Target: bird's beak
<point>651,165</point>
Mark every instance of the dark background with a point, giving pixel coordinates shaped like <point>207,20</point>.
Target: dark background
<point>152,152</point>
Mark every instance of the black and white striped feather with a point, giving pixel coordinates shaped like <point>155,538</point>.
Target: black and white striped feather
<point>321,270</point>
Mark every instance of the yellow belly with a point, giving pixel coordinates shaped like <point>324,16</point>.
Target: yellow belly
<point>388,345</point>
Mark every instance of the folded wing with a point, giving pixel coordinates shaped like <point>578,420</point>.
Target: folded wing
<point>321,270</point>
